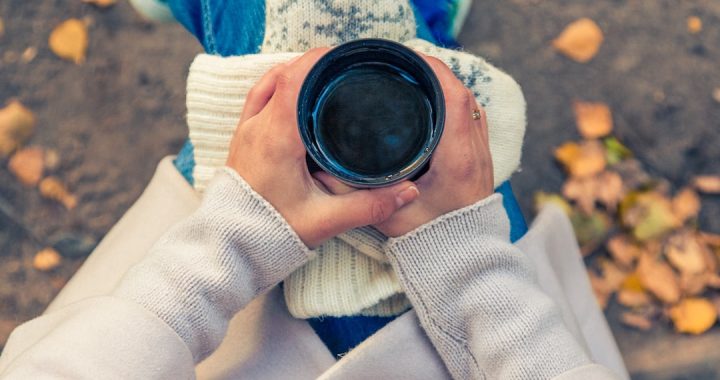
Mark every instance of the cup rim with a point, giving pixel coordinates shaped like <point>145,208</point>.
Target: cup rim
<point>305,106</point>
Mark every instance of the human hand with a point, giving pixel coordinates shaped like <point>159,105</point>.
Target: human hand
<point>268,153</point>
<point>460,171</point>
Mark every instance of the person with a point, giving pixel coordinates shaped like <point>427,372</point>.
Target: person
<point>473,291</point>
<point>204,294</point>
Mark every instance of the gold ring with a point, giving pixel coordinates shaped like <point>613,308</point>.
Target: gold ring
<point>476,115</point>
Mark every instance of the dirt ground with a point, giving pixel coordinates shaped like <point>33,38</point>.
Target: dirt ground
<point>113,117</point>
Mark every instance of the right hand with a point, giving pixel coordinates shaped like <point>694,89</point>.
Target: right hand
<point>461,171</point>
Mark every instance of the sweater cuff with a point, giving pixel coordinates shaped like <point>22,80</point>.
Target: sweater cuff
<point>486,217</point>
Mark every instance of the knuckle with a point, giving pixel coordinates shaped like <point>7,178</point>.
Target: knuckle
<point>460,95</point>
<point>379,211</point>
<point>284,80</point>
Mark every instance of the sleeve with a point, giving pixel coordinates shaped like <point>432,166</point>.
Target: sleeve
<point>172,309</point>
<point>477,299</point>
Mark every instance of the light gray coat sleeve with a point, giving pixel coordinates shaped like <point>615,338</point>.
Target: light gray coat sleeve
<point>476,297</point>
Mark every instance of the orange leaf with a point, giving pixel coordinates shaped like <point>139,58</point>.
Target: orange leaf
<point>685,253</point>
<point>594,120</point>
<point>658,278</point>
<point>707,184</point>
<point>686,205</point>
<point>52,188</point>
<point>582,160</point>
<point>27,165</point>
<point>580,40</point>
<point>69,40</point>
<point>694,24</point>
<point>693,315</point>
<point>623,250</point>
<point>16,126</point>
<point>46,260</point>
<point>631,298</point>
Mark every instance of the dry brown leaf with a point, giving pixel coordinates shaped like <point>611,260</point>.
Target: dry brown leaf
<point>694,24</point>
<point>606,188</point>
<point>594,120</point>
<point>716,94</point>
<point>708,184</point>
<point>612,274</point>
<point>637,321</point>
<point>710,239</point>
<point>28,54</point>
<point>658,278</point>
<point>69,40</point>
<point>52,188</point>
<point>16,127</point>
<point>27,165</point>
<point>623,250</point>
<point>693,315</point>
<point>631,298</point>
<point>101,3</point>
<point>693,284</point>
<point>582,160</point>
<point>46,260</point>
<point>685,253</point>
<point>610,190</point>
<point>686,205</point>
<point>580,40</point>
<point>2,28</point>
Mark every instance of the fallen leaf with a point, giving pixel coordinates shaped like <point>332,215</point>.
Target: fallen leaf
<point>101,3</point>
<point>52,188</point>
<point>693,315</point>
<point>686,205</point>
<point>69,40</point>
<point>623,251</point>
<point>605,188</point>
<point>716,95</point>
<point>52,159</point>
<point>658,278</point>
<point>542,198</point>
<point>615,151</point>
<point>27,165</point>
<point>28,54</point>
<point>632,173</point>
<point>582,160</point>
<point>590,230</point>
<point>649,214</point>
<point>16,126</point>
<point>2,28</point>
<point>637,321</point>
<point>707,184</point>
<point>685,253</point>
<point>612,274</point>
<point>693,284</point>
<point>632,283</point>
<point>694,24</point>
<point>580,40</point>
<point>594,120</point>
<point>46,260</point>
<point>710,239</point>
<point>632,298</point>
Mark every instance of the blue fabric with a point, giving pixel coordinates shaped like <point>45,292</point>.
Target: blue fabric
<point>227,27</point>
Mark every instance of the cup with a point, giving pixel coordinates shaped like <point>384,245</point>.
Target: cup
<point>371,112</point>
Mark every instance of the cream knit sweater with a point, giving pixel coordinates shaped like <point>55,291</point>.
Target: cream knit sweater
<point>351,274</point>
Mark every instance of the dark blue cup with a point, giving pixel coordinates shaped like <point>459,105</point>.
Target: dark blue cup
<point>371,113</point>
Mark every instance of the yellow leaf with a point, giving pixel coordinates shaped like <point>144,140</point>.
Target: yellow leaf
<point>542,198</point>
<point>658,278</point>
<point>594,120</point>
<point>16,126</point>
<point>580,40</point>
<point>582,160</point>
<point>693,316</point>
<point>649,214</point>
<point>694,24</point>
<point>101,3</point>
<point>632,283</point>
<point>52,188</point>
<point>69,40</point>
<point>27,165</point>
<point>686,205</point>
<point>46,260</point>
<point>707,184</point>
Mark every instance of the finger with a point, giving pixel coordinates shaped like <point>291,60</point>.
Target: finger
<point>290,81</point>
<point>260,93</point>
<point>334,185</point>
<point>366,207</point>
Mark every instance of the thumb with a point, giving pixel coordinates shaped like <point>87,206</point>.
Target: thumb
<point>366,207</point>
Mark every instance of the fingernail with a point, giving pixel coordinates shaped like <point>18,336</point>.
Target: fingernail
<point>406,196</point>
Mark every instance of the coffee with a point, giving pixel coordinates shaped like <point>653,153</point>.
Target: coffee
<point>370,113</point>
<point>373,119</point>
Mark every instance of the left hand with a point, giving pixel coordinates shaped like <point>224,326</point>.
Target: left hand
<point>268,153</point>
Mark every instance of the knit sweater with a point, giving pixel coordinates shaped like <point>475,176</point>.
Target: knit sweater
<point>473,292</point>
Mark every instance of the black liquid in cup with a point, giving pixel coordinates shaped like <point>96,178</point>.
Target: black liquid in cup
<point>371,113</point>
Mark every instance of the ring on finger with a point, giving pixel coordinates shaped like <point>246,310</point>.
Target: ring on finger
<point>476,115</point>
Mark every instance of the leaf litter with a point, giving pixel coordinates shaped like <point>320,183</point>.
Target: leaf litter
<point>641,242</point>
